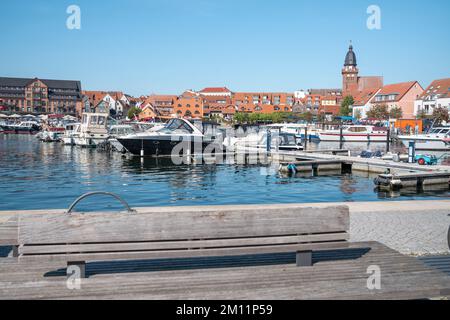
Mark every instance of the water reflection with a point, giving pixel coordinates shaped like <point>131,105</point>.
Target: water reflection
<point>35,175</point>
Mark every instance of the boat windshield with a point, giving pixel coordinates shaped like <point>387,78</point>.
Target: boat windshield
<point>288,140</point>
<point>176,125</point>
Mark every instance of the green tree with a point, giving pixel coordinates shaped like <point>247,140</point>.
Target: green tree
<point>346,106</point>
<point>396,113</point>
<point>133,112</point>
<point>440,115</point>
<point>422,114</point>
<point>308,116</point>
<point>379,112</point>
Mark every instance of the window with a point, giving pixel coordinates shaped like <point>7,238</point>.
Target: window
<point>101,120</point>
<point>93,120</point>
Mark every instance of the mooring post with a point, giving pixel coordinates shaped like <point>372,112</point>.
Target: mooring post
<point>388,140</point>
<point>306,139</point>
<point>412,152</point>
<point>269,141</point>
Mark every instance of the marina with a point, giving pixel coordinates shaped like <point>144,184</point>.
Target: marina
<point>56,174</point>
<point>225,155</point>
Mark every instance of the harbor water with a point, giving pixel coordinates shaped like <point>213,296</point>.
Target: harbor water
<point>35,175</point>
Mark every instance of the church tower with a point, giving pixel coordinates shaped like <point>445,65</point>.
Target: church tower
<point>350,73</point>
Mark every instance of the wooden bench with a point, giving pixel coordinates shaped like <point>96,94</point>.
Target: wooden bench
<point>77,238</point>
<point>8,234</point>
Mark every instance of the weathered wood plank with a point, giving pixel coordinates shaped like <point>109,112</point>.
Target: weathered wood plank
<point>187,245</point>
<point>9,232</point>
<point>223,224</point>
<point>217,252</point>
<point>330,280</point>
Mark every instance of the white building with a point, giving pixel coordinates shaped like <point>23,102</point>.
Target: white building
<point>436,95</point>
<point>363,103</point>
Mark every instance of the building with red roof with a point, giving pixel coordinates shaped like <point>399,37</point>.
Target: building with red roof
<point>437,94</point>
<point>400,95</point>
<point>216,91</point>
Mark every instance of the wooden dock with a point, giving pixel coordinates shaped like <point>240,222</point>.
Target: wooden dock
<point>335,274</point>
<point>413,180</point>
<point>274,277</point>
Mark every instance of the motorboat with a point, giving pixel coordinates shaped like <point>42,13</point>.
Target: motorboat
<point>177,133</point>
<point>436,139</point>
<point>71,131</point>
<point>355,133</point>
<point>299,130</point>
<point>92,130</point>
<point>25,127</point>
<point>279,141</point>
<point>117,131</point>
<point>50,136</point>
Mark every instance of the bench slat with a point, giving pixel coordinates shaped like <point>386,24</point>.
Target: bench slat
<point>174,226</point>
<point>172,254</point>
<point>173,245</point>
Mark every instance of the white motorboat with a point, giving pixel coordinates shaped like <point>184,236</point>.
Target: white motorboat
<point>93,130</point>
<point>298,129</point>
<point>435,139</point>
<point>355,133</point>
<point>118,131</point>
<point>71,131</point>
<point>259,142</point>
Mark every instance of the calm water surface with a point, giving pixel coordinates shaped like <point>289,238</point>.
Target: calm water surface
<point>35,175</point>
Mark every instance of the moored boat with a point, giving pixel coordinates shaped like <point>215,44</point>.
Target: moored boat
<point>435,139</point>
<point>26,127</point>
<point>70,133</point>
<point>355,133</point>
<point>92,131</point>
<point>177,133</point>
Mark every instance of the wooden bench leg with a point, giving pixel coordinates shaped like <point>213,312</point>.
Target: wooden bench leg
<point>81,265</point>
<point>304,259</point>
<point>15,251</point>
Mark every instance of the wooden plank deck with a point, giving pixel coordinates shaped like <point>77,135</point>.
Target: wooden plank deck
<point>335,275</point>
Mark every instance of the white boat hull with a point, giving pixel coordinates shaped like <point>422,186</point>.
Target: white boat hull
<point>88,142</point>
<point>426,144</point>
<point>353,137</point>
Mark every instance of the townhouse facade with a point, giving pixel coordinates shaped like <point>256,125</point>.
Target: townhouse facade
<point>41,96</point>
<point>189,105</point>
<point>162,104</point>
<point>114,102</point>
<point>436,95</point>
<point>400,95</point>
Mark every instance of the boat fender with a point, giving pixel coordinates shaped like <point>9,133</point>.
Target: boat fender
<point>396,183</point>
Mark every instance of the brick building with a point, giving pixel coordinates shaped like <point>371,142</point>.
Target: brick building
<point>263,102</point>
<point>189,105</point>
<point>41,96</point>
<point>352,83</point>
<point>163,104</point>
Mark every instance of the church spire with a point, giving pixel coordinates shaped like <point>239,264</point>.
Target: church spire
<point>350,58</point>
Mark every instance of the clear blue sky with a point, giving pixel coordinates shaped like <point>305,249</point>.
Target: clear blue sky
<point>167,46</point>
